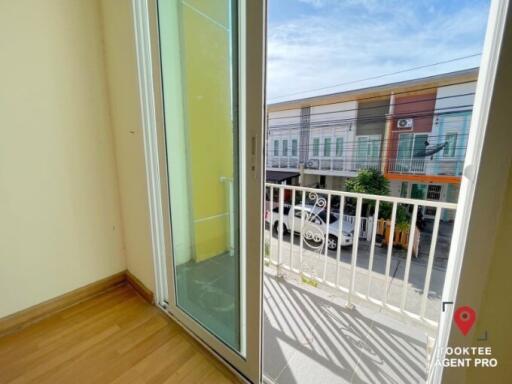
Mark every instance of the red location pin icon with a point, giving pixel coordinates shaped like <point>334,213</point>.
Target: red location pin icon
<point>464,318</point>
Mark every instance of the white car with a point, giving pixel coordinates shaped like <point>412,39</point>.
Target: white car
<point>315,225</point>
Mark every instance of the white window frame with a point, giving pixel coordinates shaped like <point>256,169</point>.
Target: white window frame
<point>451,133</point>
<point>482,190</point>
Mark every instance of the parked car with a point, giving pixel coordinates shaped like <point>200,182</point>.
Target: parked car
<point>315,219</point>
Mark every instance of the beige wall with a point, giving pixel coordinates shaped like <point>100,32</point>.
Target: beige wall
<point>128,136</point>
<point>60,219</point>
<point>495,315</point>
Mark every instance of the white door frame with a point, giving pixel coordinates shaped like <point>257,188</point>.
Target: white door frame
<point>484,181</point>
<point>483,184</point>
<point>251,104</point>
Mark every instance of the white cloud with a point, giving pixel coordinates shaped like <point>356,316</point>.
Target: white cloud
<point>363,38</point>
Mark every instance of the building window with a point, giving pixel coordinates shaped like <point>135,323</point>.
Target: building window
<point>339,146</point>
<point>285,147</point>
<point>451,144</point>
<point>327,147</point>
<point>294,147</point>
<point>276,148</point>
<point>316,147</point>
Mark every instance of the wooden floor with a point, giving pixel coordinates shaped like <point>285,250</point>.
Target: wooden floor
<point>113,338</point>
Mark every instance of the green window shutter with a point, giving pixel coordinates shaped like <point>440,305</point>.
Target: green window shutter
<point>339,146</point>
<point>294,147</point>
<point>285,147</point>
<point>316,147</point>
<point>327,147</point>
<point>276,147</point>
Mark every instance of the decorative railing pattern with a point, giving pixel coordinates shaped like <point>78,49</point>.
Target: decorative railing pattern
<point>316,235</point>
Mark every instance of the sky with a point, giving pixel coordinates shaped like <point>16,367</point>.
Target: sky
<point>316,44</point>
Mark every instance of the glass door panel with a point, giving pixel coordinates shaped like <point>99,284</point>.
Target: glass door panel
<point>420,145</point>
<point>404,152</point>
<point>362,152</point>
<point>202,145</point>
<point>213,141</point>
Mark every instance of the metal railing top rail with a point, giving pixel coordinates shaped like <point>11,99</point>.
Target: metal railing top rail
<point>389,199</point>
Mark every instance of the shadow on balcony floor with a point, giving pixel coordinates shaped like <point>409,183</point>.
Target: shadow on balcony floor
<point>311,337</point>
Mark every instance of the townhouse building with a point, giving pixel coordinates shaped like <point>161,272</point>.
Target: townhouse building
<point>414,132</point>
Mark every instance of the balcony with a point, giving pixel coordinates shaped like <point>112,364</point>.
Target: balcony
<point>422,166</point>
<point>283,162</point>
<point>363,308</point>
<point>341,167</point>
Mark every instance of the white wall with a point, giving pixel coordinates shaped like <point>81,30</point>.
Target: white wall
<point>345,113</point>
<point>286,117</point>
<point>283,125</point>
<point>448,99</point>
<point>60,220</point>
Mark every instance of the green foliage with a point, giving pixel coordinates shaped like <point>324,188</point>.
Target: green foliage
<point>368,181</point>
<point>402,216</point>
<point>307,280</point>
<point>373,182</point>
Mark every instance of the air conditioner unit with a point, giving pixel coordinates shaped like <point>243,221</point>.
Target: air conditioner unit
<point>312,164</point>
<point>404,123</point>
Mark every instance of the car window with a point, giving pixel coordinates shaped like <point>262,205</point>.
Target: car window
<point>298,213</point>
<point>286,209</point>
<point>323,216</point>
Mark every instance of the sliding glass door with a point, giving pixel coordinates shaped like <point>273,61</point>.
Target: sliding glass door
<point>214,171</point>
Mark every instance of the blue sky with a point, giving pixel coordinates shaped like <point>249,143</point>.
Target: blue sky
<point>318,43</point>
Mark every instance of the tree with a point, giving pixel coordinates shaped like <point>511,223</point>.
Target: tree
<point>368,181</point>
<point>373,182</point>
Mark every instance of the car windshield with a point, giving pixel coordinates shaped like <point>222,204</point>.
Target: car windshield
<point>323,215</point>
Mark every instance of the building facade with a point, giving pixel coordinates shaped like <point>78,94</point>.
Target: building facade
<point>414,132</point>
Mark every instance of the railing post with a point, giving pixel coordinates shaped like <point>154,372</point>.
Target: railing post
<point>271,225</point>
<point>372,246</point>
<point>291,213</point>
<point>430,263</point>
<point>355,244</point>
<point>340,234</point>
<point>327,223</point>
<point>412,233</point>
<point>280,229</point>
<point>302,229</point>
<point>390,250</point>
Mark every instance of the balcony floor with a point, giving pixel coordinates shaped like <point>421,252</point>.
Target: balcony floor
<point>310,336</point>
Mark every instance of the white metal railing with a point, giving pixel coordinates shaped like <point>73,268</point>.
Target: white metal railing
<point>341,165</point>
<point>315,256</point>
<point>283,162</point>
<point>450,167</point>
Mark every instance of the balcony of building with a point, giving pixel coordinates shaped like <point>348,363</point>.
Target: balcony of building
<point>351,302</point>
<point>340,166</point>
<point>283,163</point>
<point>441,170</point>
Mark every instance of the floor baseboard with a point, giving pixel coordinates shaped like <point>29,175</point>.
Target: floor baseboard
<point>141,289</point>
<point>19,320</point>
